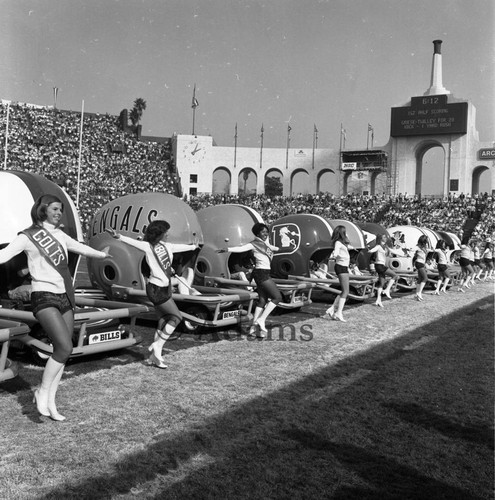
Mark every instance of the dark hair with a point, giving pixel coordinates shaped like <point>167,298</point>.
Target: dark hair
<point>339,234</point>
<point>155,231</point>
<point>441,244</point>
<point>258,227</point>
<point>38,212</point>
<point>423,240</point>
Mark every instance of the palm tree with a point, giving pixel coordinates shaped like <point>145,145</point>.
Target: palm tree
<point>245,176</point>
<point>136,112</point>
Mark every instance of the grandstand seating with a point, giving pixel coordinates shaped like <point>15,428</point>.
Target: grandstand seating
<point>114,162</point>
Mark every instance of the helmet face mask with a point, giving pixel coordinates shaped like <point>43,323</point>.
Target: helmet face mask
<point>224,226</point>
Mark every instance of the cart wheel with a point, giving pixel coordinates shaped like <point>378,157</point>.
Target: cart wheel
<point>195,310</point>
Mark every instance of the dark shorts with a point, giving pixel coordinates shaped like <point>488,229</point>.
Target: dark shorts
<point>44,300</point>
<point>477,262</point>
<point>419,265</point>
<point>443,271</point>
<point>341,269</point>
<point>158,294</point>
<point>261,275</point>
<point>463,262</point>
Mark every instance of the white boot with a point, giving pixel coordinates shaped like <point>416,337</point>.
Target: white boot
<point>331,310</point>
<point>41,395</point>
<point>338,315</point>
<point>52,407</point>
<point>389,287</point>
<point>269,307</point>
<point>378,301</point>
<point>445,283</point>
<point>419,290</point>
<point>256,315</point>
<point>157,346</point>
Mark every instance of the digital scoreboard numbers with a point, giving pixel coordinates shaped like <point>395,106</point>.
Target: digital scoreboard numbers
<point>429,115</point>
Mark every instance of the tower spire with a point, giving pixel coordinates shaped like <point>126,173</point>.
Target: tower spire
<point>436,85</point>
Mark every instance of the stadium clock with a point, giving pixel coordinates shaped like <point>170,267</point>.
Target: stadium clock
<point>193,151</point>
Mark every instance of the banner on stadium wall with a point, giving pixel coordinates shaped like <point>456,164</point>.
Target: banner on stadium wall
<point>360,176</point>
<point>349,166</point>
<point>486,154</point>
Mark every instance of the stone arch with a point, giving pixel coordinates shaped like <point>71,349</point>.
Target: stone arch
<point>479,172</point>
<point>247,181</point>
<point>274,172</point>
<point>302,181</point>
<point>378,183</point>
<point>327,181</point>
<point>221,181</point>
<point>345,181</point>
<point>427,181</point>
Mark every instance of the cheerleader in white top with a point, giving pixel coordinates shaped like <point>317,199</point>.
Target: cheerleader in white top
<point>159,255</point>
<point>268,293</point>
<point>382,251</point>
<point>478,264</point>
<point>487,257</point>
<point>342,259</point>
<point>442,266</point>
<point>419,260</point>
<point>467,271</point>
<point>52,295</point>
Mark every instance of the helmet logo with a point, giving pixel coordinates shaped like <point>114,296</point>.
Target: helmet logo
<point>287,237</point>
<point>399,239</point>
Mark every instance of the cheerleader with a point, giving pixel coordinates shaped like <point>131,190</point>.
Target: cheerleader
<point>159,255</point>
<point>487,257</point>
<point>342,260</point>
<point>442,266</point>
<point>419,261</point>
<point>467,271</point>
<point>268,293</point>
<point>478,263</point>
<point>382,251</point>
<point>52,293</point>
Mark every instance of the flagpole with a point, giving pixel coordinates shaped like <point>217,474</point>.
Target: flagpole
<point>261,149</point>
<point>235,146</point>
<point>288,144</point>
<point>194,105</point>
<point>315,144</point>
<point>55,94</point>
<point>6,137</point>
<point>80,154</point>
<point>342,143</point>
<point>368,137</point>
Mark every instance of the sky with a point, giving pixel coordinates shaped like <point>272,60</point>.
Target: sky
<point>305,63</point>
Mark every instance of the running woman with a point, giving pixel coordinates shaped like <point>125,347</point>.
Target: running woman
<point>442,266</point>
<point>342,259</point>
<point>467,271</point>
<point>419,260</point>
<point>382,251</point>
<point>268,292</point>
<point>159,255</point>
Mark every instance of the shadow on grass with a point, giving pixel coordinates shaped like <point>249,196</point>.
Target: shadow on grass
<point>417,415</point>
<point>393,422</point>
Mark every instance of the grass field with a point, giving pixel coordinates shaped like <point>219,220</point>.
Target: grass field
<point>395,404</point>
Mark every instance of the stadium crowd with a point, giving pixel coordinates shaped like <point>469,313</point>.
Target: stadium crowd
<point>448,214</point>
<point>114,163</point>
